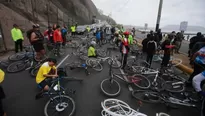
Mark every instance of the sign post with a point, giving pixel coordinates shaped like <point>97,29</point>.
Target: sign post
<point>183,26</point>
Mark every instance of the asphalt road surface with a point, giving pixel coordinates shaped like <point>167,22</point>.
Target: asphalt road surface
<point>21,89</point>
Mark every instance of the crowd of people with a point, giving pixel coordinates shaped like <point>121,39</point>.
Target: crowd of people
<point>153,43</point>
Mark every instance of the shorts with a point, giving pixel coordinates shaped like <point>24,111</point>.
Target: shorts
<point>38,47</point>
<point>42,84</point>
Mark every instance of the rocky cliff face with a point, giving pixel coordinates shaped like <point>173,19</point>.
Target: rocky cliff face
<point>25,12</point>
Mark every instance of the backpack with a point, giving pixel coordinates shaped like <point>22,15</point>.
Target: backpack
<point>151,47</point>
<point>28,34</point>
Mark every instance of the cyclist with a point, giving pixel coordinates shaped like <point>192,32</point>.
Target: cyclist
<point>92,51</point>
<point>57,37</point>
<point>196,82</point>
<point>49,33</point>
<point>47,70</point>
<point>36,40</point>
<point>124,48</point>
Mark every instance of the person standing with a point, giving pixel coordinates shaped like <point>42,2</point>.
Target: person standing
<point>57,37</point>
<point>167,46</point>
<point>125,49</point>
<point>193,41</point>
<point>36,40</point>
<point>64,33</point>
<point>151,49</point>
<point>98,37</point>
<point>73,30</point>
<point>49,33</point>
<point>17,37</point>
<point>177,42</point>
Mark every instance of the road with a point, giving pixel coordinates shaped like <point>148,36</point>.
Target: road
<point>21,89</point>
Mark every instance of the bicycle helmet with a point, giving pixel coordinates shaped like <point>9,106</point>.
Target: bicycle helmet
<point>93,43</point>
<point>126,33</point>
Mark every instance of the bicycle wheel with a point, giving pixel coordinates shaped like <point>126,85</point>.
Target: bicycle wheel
<point>157,84</point>
<point>115,63</point>
<point>34,71</point>
<point>17,56</point>
<point>101,53</point>
<point>140,81</point>
<point>174,86</point>
<point>112,42</point>
<point>115,107</point>
<point>58,105</point>
<point>110,87</point>
<point>146,96</point>
<point>16,66</point>
<point>104,41</point>
<point>95,65</point>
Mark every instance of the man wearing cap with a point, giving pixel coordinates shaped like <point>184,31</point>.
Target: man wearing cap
<point>2,94</point>
<point>17,36</point>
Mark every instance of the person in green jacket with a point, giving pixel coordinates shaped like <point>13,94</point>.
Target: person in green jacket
<point>130,39</point>
<point>17,37</point>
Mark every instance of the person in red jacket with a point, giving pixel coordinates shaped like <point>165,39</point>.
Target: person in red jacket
<point>125,49</point>
<point>57,38</point>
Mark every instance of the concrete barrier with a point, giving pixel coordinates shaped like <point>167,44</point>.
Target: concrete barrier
<point>182,67</point>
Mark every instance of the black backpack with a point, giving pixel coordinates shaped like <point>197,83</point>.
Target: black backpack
<point>28,34</point>
<point>151,47</point>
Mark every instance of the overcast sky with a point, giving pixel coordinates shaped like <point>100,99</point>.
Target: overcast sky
<point>139,12</point>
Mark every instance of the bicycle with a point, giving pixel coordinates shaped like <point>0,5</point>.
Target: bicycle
<point>95,62</point>
<point>57,95</point>
<point>21,55</point>
<point>114,87</point>
<point>157,97</point>
<point>4,64</point>
<point>115,107</point>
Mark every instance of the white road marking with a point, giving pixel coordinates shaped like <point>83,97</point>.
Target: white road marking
<point>129,87</point>
<point>62,60</point>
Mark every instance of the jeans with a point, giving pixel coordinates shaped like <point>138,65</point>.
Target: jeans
<point>124,60</point>
<point>149,59</point>
<point>165,60</point>
<point>99,42</point>
<point>18,44</point>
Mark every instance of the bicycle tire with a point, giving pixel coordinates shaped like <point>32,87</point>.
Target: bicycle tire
<point>20,63</point>
<point>158,85</point>
<point>54,98</point>
<point>115,64</point>
<point>104,41</point>
<point>99,69</point>
<point>112,42</point>
<point>137,76</point>
<point>101,53</point>
<point>17,56</point>
<point>168,86</point>
<point>147,95</point>
<point>34,71</point>
<point>116,93</point>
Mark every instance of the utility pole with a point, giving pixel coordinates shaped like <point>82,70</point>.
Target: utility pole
<point>159,15</point>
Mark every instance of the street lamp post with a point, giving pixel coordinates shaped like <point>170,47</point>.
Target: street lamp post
<point>159,15</point>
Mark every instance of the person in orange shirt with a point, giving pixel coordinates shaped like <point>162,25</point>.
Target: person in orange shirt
<point>57,38</point>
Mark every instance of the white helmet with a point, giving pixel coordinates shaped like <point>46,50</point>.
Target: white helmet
<point>93,43</point>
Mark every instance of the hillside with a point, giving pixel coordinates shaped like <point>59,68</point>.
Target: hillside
<point>44,12</point>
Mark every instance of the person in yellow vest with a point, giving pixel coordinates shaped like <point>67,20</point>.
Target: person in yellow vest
<point>2,94</point>
<point>17,37</point>
<point>88,29</point>
<point>73,29</point>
